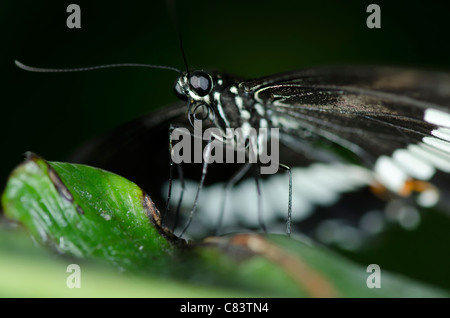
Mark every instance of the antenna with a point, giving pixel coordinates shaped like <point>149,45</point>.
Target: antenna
<point>175,21</point>
<point>90,68</point>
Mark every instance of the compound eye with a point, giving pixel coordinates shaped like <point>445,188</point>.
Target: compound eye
<point>179,91</point>
<point>201,83</point>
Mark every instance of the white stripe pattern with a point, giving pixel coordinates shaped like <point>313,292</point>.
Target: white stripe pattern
<point>442,133</point>
<point>437,143</point>
<point>319,184</point>
<point>419,161</point>
<point>437,117</point>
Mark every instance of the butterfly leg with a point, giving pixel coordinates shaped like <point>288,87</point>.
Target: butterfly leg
<point>180,176</point>
<point>206,155</point>
<point>289,218</point>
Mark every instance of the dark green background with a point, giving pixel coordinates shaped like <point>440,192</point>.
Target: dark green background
<point>51,114</point>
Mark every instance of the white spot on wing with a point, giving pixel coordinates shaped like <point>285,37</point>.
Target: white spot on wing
<point>437,117</point>
<point>437,143</point>
<point>389,174</point>
<point>443,133</point>
<point>415,167</point>
<point>436,157</point>
<point>417,161</point>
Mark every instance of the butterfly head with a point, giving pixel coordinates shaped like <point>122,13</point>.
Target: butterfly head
<point>202,92</point>
<point>195,86</point>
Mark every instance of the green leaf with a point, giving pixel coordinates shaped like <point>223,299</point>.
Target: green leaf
<point>87,212</point>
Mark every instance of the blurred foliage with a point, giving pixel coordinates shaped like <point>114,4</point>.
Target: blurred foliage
<point>29,271</point>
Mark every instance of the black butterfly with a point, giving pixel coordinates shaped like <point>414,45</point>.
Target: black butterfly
<point>379,127</point>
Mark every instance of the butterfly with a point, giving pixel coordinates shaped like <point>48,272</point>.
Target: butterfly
<point>380,132</point>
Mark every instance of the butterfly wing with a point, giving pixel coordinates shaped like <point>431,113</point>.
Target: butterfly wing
<point>395,120</point>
